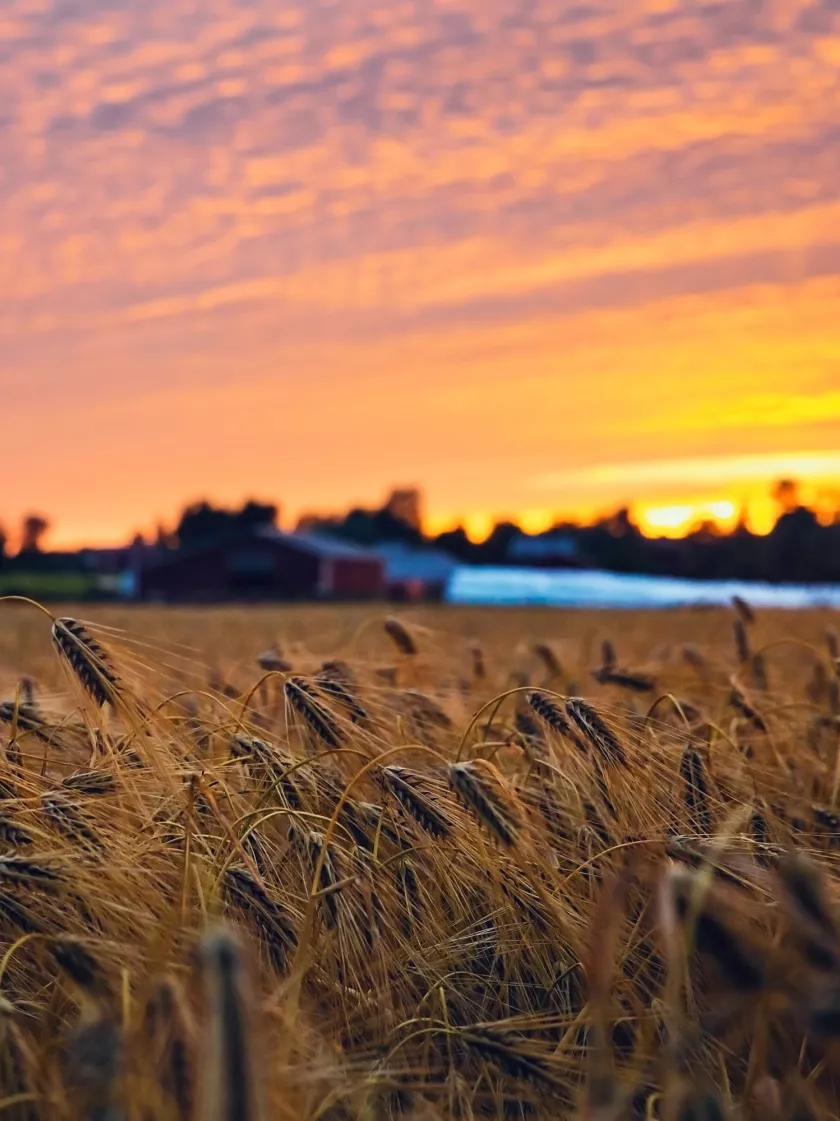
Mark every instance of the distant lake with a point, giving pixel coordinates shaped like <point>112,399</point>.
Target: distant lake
<point>575,588</point>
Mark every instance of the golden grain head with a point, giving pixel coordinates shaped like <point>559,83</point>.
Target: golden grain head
<point>369,889</point>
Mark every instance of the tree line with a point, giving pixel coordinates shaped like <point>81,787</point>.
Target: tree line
<point>801,547</point>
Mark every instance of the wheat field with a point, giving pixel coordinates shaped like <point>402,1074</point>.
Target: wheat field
<point>327,862</point>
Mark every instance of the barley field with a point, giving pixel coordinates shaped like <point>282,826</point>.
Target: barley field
<point>332,863</point>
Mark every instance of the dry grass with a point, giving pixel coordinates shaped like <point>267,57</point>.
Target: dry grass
<point>324,863</point>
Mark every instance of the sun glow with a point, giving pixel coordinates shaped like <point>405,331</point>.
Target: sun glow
<point>678,519</point>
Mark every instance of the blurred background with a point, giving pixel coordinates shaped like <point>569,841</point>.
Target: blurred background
<point>395,274</point>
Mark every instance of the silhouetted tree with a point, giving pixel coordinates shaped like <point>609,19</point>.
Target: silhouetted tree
<point>406,504</point>
<point>786,494</point>
<point>256,515</point>
<point>202,522</point>
<point>792,546</point>
<point>494,549</point>
<point>457,544</point>
<point>32,533</point>
<point>164,538</point>
<point>366,527</point>
<point>620,524</point>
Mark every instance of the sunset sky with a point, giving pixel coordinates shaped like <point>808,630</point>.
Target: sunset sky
<point>536,257</point>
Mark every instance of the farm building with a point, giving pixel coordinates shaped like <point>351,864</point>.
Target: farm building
<point>263,564</point>
<point>415,574</point>
<point>546,550</point>
<point>115,571</point>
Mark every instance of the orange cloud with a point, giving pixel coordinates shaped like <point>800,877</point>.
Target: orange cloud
<point>309,249</point>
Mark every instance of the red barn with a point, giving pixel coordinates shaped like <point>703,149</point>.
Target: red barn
<point>260,565</point>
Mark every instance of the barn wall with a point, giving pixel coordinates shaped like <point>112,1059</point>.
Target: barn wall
<point>362,578</point>
<point>255,569</point>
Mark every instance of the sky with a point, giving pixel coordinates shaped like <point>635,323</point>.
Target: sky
<point>535,257</point>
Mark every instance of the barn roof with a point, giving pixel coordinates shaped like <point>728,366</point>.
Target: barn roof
<point>404,563</point>
<point>329,547</point>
